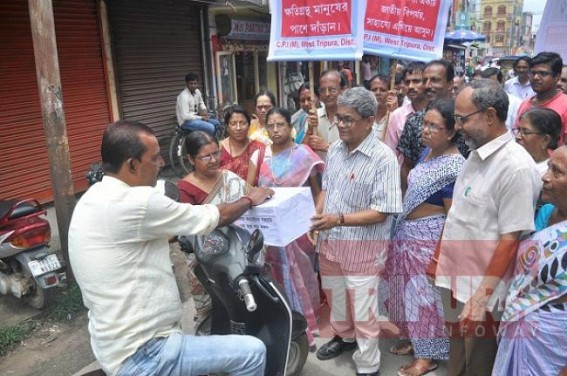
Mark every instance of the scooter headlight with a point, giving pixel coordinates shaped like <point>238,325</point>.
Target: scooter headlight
<point>214,244</point>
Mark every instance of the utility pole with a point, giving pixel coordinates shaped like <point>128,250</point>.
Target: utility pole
<point>54,125</point>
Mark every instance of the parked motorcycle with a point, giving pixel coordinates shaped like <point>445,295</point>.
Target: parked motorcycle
<point>245,300</point>
<point>27,267</point>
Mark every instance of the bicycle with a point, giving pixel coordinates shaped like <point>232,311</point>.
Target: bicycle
<point>178,153</point>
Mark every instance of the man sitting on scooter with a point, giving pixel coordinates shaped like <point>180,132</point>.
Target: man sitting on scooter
<point>119,252</point>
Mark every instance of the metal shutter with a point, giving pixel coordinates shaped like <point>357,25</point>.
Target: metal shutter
<point>24,169</point>
<point>156,43</point>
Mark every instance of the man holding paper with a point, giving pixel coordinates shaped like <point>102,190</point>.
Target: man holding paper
<point>361,188</point>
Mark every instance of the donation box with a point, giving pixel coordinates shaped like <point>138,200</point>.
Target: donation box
<point>283,218</point>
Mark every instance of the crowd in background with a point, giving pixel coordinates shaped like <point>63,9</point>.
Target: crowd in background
<point>443,198</point>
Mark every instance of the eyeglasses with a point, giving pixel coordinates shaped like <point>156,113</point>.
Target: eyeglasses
<point>523,132</point>
<point>462,119</point>
<point>542,74</point>
<point>209,157</point>
<point>272,126</point>
<point>432,127</point>
<point>235,124</point>
<point>347,121</point>
<point>328,90</point>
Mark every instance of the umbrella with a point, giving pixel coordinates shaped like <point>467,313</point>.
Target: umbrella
<point>461,36</point>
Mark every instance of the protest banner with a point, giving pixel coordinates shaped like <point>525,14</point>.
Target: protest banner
<point>553,28</point>
<point>406,29</point>
<point>313,30</point>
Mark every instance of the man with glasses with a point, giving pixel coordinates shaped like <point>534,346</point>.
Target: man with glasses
<point>520,85</point>
<point>361,189</point>
<point>331,85</point>
<point>191,110</point>
<point>545,73</point>
<point>493,203</point>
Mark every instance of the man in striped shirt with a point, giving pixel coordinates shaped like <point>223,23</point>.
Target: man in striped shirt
<point>361,188</point>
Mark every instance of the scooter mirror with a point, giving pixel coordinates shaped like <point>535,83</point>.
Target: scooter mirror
<point>255,244</point>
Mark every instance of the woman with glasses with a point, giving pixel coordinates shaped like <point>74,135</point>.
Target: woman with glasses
<point>414,304</point>
<point>539,131</point>
<point>287,164</point>
<point>207,184</point>
<point>237,148</point>
<point>264,101</point>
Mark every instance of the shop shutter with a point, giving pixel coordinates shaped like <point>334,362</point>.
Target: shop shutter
<point>156,43</point>
<point>24,168</point>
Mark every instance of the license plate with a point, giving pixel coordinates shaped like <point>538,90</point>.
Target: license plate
<point>45,265</point>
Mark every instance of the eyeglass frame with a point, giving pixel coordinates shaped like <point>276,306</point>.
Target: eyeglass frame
<point>522,132</point>
<point>434,128</point>
<point>542,74</point>
<point>348,123</point>
<point>462,119</point>
<point>209,157</point>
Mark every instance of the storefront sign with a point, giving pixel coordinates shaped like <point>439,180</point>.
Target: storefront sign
<point>316,30</point>
<point>411,29</point>
<point>248,30</point>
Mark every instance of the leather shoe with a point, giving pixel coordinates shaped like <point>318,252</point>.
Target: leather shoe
<point>334,348</point>
<point>368,374</point>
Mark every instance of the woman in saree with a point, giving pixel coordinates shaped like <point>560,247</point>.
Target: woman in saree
<point>414,305</point>
<point>299,119</point>
<point>207,184</point>
<point>532,336</point>
<point>287,164</point>
<point>237,148</point>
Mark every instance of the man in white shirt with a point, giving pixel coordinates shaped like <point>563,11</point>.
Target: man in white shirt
<point>191,110</point>
<point>520,85</point>
<point>493,203</point>
<point>119,252</point>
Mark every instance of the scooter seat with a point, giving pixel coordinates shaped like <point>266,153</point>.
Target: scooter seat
<point>21,210</point>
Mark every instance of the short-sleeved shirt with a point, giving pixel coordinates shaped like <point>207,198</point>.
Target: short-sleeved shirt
<point>494,194</point>
<point>515,87</point>
<point>367,178</point>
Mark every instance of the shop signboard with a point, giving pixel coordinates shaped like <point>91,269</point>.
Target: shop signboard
<point>406,29</point>
<point>313,30</point>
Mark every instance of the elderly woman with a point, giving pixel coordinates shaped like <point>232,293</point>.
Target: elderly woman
<point>539,131</point>
<point>264,101</point>
<point>414,304</point>
<point>532,330</point>
<point>387,102</point>
<point>237,148</point>
<point>207,184</point>
<point>287,164</point>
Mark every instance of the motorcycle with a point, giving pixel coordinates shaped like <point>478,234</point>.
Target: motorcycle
<point>27,267</point>
<point>245,300</point>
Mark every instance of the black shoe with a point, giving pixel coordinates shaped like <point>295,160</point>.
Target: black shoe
<point>368,374</point>
<point>334,348</point>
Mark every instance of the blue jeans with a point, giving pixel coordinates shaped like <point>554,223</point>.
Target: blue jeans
<point>182,354</point>
<point>208,126</point>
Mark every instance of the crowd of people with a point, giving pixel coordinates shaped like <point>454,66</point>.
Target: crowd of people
<point>441,215</point>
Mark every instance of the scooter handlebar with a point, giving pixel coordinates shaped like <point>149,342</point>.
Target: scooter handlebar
<point>247,293</point>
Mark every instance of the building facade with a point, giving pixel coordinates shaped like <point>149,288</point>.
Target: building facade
<point>502,25</point>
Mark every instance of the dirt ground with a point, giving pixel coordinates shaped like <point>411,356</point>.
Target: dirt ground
<point>63,349</point>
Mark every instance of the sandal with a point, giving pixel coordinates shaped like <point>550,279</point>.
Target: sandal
<point>404,348</point>
<point>418,367</point>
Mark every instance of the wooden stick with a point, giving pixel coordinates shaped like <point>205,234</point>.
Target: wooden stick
<point>392,84</point>
<point>310,129</point>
